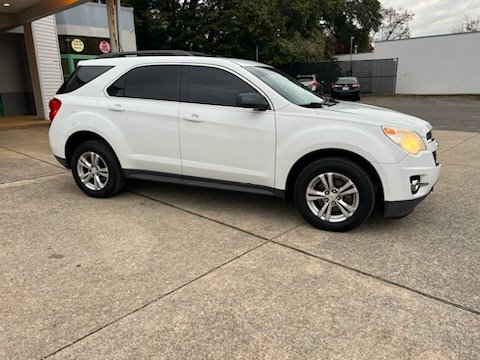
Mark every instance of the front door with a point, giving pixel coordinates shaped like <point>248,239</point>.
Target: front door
<point>218,139</point>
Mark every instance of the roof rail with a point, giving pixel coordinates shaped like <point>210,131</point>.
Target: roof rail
<point>152,53</point>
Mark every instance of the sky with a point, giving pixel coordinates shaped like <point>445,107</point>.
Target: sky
<point>434,17</point>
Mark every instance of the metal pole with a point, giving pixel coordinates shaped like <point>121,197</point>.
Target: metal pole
<point>119,25</point>
<point>256,53</point>
<point>351,48</point>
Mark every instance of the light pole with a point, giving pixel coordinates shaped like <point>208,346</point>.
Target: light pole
<point>351,49</point>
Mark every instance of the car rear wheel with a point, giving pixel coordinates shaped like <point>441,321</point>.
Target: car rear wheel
<point>96,169</point>
<point>334,194</point>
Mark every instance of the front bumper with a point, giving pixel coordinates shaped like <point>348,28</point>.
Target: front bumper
<point>62,161</point>
<point>398,209</point>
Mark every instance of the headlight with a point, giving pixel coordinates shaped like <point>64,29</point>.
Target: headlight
<point>408,140</point>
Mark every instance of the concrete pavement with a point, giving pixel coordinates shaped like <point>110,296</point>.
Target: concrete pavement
<point>166,271</point>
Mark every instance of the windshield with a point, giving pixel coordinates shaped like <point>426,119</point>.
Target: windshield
<point>286,86</point>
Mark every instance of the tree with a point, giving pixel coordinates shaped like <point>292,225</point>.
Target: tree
<point>395,24</point>
<point>468,25</point>
<point>284,31</point>
<point>342,19</point>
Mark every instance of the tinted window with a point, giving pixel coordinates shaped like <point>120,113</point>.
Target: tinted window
<point>214,86</point>
<point>81,76</point>
<point>147,82</point>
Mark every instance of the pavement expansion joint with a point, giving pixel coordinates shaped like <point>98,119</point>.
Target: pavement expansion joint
<point>31,157</point>
<point>344,266</point>
<point>28,181</point>
<point>151,302</point>
<point>461,143</point>
<point>200,215</point>
<point>379,278</point>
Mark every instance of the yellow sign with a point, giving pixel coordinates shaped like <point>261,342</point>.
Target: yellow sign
<point>78,45</point>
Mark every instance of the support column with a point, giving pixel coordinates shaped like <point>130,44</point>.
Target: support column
<point>43,54</point>
<point>112,16</point>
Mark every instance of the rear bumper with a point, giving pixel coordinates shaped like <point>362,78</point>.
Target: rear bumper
<point>346,94</point>
<point>398,209</point>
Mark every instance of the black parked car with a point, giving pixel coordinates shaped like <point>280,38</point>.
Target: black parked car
<point>346,87</point>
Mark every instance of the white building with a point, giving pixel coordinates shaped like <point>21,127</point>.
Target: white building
<point>30,60</point>
<point>443,64</point>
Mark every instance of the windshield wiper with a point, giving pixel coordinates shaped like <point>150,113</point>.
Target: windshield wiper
<point>314,105</point>
<point>329,101</point>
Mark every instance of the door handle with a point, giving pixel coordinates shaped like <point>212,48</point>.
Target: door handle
<point>116,107</point>
<point>193,118</point>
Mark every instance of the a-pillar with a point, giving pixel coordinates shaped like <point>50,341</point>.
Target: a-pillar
<point>43,53</point>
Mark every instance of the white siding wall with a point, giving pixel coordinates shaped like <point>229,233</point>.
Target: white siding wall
<point>447,64</point>
<point>44,61</point>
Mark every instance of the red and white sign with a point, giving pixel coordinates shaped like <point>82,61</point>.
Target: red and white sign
<point>104,46</point>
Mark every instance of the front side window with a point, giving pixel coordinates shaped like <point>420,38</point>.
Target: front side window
<point>156,82</point>
<point>206,85</point>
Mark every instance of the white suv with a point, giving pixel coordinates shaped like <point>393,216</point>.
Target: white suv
<point>239,125</point>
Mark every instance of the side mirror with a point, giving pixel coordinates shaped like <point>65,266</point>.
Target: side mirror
<point>252,101</point>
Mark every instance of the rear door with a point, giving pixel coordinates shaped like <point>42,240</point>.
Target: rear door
<point>143,106</point>
<point>218,139</point>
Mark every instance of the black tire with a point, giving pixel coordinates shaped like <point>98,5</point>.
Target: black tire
<point>107,159</point>
<point>360,202</point>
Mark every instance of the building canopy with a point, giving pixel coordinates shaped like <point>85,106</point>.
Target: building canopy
<point>19,12</point>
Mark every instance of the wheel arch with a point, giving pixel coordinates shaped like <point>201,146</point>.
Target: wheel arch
<point>307,159</point>
<point>80,137</point>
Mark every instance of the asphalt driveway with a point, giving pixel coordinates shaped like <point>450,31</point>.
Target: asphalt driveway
<point>443,112</point>
<point>163,271</point>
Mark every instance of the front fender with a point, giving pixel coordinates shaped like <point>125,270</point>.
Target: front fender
<point>368,142</point>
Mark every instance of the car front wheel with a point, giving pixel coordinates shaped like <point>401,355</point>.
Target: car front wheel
<point>334,194</point>
<point>96,169</point>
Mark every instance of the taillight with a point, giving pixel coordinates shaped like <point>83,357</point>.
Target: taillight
<point>54,106</point>
<point>355,86</point>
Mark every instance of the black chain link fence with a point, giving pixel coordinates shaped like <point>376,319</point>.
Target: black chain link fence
<point>374,76</point>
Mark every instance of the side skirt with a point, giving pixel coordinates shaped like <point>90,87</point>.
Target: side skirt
<point>202,182</point>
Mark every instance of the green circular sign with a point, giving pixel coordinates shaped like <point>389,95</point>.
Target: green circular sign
<point>77,45</point>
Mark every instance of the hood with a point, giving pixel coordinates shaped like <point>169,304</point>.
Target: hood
<point>374,115</point>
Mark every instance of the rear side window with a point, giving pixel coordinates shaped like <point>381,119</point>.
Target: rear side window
<point>214,86</point>
<point>82,76</point>
<point>156,82</point>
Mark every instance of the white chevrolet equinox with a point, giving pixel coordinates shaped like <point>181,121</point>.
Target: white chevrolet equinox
<point>235,124</point>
